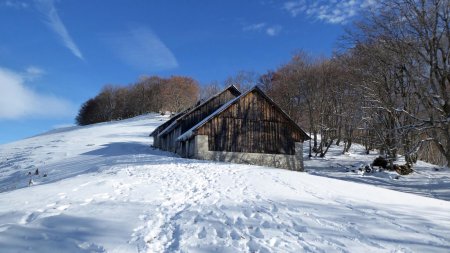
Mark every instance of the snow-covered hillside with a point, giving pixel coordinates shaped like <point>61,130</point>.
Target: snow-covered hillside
<point>106,190</point>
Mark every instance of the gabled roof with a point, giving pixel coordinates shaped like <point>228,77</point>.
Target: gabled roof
<point>188,134</point>
<point>175,123</point>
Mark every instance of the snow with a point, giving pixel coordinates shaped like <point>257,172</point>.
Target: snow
<point>427,180</point>
<point>106,190</point>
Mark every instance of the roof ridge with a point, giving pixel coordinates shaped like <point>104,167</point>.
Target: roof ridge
<point>169,127</point>
<point>189,132</point>
<point>186,135</point>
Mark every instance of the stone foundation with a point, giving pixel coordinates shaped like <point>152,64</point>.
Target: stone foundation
<point>199,150</point>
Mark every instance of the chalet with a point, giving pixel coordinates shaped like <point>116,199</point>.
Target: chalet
<point>165,136</point>
<point>234,127</point>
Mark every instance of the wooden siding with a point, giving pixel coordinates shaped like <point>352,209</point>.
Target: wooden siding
<point>191,118</point>
<point>201,112</point>
<point>253,125</point>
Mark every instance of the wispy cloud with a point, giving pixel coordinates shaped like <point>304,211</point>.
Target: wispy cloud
<point>254,27</point>
<point>33,72</point>
<point>52,19</point>
<point>142,49</point>
<point>16,4</point>
<point>19,101</point>
<point>271,30</point>
<point>329,11</point>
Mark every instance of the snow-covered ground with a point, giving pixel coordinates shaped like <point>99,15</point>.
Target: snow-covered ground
<point>427,180</point>
<point>106,190</point>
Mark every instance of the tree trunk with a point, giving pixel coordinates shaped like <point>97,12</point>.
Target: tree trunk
<point>310,147</point>
<point>315,140</point>
<point>323,153</point>
<point>349,144</point>
<point>338,141</point>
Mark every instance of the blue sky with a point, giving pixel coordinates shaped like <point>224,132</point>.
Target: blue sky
<point>54,55</point>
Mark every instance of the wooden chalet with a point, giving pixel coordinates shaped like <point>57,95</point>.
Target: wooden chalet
<point>165,136</point>
<point>243,128</point>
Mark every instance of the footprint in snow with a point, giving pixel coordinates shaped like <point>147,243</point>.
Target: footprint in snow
<point>254,246</point>
<point>239,222</point>
<point>247,213</point>
<point>258,233</point>
<point>202,233</point>
<point>228,221</point>
<point>256,216</point>
<point>220,232</point>
<point>235,235</point>
<point>266,224</point>
<point>29,217</point>
<point>299,228</point>
<point>197,218</point>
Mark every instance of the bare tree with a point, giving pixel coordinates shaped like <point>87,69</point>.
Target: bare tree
<point>180,93</point>
<point>243,80</point>
<point>210,89</point>
<point>415,34</point>
<point>149,94</point>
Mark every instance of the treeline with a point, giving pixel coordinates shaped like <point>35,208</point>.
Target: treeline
<point>389,90</point>
<point>150,94</point>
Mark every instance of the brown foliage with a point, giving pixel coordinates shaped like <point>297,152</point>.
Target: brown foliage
<point>149,94</point>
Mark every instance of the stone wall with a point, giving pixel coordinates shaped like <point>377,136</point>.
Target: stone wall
<point>291,162</point>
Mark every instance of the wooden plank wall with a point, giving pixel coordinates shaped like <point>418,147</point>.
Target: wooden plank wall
<point>202,112</point>
<point>192,118</point>
<point>252,125</point>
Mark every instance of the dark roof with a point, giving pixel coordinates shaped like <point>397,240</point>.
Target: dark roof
<point>176,122</point>
<point>191,131</point>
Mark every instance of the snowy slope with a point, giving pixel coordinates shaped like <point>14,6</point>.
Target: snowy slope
<point>107,191</point>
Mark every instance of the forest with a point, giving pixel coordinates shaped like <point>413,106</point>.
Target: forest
<point>386,86</point>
